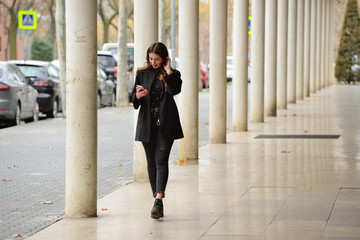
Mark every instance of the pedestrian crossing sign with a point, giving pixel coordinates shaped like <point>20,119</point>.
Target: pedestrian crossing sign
<point>27,20</point>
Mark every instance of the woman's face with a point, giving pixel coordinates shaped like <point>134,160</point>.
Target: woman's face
<point>155,60</point>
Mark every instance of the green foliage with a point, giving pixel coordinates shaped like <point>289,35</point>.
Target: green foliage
<point>349,47</point>
<point>42,48</point>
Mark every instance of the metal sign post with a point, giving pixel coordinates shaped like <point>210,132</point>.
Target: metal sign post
<point>27,22</point>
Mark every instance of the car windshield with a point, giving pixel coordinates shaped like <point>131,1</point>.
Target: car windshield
<point>107,61</point>
<point>32,71</point>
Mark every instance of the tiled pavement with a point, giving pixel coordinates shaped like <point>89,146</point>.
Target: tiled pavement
<point>251,188</point>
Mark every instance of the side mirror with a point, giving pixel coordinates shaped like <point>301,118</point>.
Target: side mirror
<point>29,80</point>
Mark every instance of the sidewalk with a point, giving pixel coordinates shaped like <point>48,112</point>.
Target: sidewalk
<point>251,188</point>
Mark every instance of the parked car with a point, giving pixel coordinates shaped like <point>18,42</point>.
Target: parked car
<point>107,62</point>
<point>107,59</point>
<point>113,48</point>
<point>44,77</point>
<point>105,89</point>
<point>18,99</point>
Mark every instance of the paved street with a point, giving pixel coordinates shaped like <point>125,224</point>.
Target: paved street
<point>32,165</point>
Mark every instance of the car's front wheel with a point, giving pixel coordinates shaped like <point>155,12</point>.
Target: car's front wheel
<point>113,100</point>
<point>54,112</point>
<point>35,116</point>
<point>17,118</point>
<point>98,100</point>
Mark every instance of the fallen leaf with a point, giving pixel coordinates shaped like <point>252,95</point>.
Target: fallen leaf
<point>103,209</point>
<point>6,180</point>
<point>181,162</point>
<point>11,166</point>
<point>120,165</point>
<point>207,123</point>
<point>51,163</point>
<point>305,131</point>
<point>16,235</point>
<point>285,151</point>
<point>50,147</point>
<point>294,114</point>
<point>48,202</point>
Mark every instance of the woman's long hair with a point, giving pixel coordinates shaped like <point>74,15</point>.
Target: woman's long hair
<point>160,49</point>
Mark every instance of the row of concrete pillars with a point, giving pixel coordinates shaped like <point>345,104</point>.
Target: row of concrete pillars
<point>291,57</point>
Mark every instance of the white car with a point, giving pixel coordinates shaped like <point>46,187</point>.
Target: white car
<point>113,48</point>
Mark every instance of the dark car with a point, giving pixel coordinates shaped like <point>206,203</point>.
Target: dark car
<point>106,90</point>
<point>44,77</point>
<point>18,99</point>
<point>107,63</point>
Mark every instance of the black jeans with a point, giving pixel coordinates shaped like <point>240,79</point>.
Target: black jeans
<point>157,154</point>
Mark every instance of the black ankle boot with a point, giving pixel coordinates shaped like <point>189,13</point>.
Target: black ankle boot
<point>157,211</point>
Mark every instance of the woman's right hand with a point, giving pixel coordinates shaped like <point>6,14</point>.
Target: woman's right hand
<point>140,91</point>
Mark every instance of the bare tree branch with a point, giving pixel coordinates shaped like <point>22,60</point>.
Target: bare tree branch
<point>5,5</point>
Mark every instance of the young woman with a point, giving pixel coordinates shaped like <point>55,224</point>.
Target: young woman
<point>158,122</point>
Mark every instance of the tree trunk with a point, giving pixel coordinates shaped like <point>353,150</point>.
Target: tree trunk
<point>106,31</point>
<point>52,29</point>
<point>13,38</point>
<point>122,96</point>
<point>61,46</point>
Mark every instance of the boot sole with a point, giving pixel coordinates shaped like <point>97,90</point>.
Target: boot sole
<point>156,216</point>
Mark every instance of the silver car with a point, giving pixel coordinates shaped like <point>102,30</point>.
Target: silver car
<point>18,100</point>
<point>105,90</point>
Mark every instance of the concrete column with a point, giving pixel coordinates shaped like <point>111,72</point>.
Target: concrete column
<point>332,35</point>
<point>122,94</point>
<point>313,48</point>
<point>257,61</point>
<point>162,34</point>
<point>327,45</point>
<point>291,64</point>
<point>323,43</point>
<point>318,42</point>
<point>189,67</point>
<point>307,18</point>
<point>81,120</point>
<point>300,51</point>
<point>218,33</point>
<point>146,33</point>
<point>281,66</point>
<point>240,60</point>
<point>270,57</point>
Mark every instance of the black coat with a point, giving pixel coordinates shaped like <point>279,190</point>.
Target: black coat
<point>170,126</point>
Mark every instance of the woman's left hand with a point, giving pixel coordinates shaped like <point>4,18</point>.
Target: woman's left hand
<point>167,66</point>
